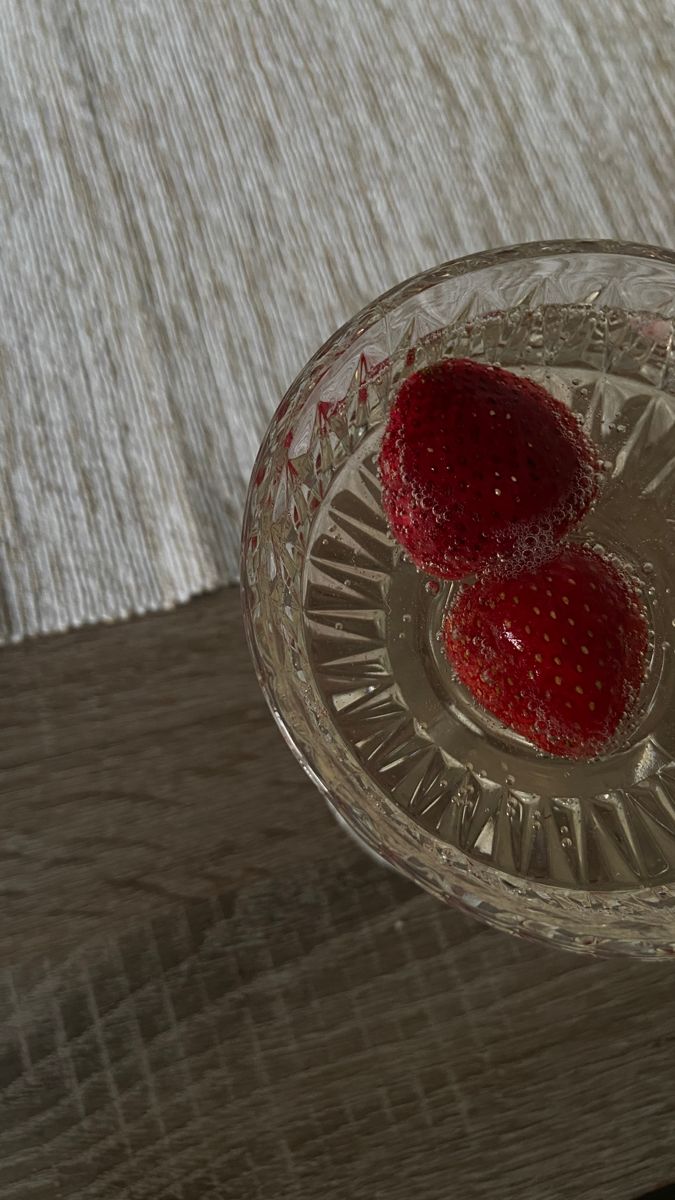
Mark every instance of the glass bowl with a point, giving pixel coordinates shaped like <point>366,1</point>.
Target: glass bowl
<point>344,630</point>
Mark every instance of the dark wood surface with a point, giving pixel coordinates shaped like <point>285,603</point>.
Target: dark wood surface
<point>208,991</point>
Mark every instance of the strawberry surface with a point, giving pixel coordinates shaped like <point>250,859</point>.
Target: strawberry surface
<point>477,462</point>
<point>557,653</point>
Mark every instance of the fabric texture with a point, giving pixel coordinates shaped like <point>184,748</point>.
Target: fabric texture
<point>195,193</point>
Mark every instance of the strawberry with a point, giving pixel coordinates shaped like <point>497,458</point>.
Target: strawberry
<point>557,653</point>
<point>477,462</point>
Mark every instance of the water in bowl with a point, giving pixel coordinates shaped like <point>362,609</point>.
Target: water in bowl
<point>372,621</point>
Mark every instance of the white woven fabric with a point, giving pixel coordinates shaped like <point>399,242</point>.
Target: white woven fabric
<point>194,193</point>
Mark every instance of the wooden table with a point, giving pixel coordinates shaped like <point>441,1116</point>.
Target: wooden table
<point>208,991</point>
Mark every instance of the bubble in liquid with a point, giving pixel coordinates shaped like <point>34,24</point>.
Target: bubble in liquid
<point>432,586</point>
<point>407,617</point>
<point>510,779</point>
<point>648,568</point>
<point>339,625</point>
<point>566,843</point>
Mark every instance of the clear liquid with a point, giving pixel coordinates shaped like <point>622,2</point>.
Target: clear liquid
<point>372,621</point>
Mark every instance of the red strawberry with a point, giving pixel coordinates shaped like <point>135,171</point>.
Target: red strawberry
<point>477,462</point>
<point>557,653</point>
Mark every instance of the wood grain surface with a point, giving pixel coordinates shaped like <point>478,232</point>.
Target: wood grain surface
<point>207,991</point>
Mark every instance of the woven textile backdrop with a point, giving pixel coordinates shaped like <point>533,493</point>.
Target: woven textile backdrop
<point>194,193</point>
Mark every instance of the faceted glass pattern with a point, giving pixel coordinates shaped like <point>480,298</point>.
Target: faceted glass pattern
<point>344,630</point>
